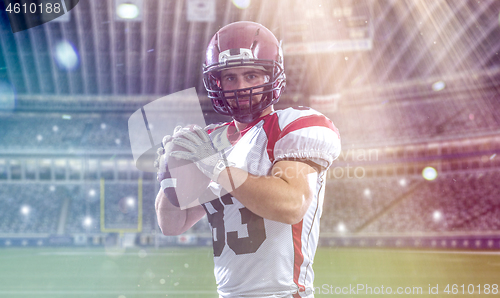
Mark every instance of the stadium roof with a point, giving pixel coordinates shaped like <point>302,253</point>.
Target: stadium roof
<point>330,47</point>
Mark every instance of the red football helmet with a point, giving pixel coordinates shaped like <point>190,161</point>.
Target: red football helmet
<point>244,44</point>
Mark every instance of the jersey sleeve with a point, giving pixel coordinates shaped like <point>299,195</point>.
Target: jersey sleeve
<point>307,135</point>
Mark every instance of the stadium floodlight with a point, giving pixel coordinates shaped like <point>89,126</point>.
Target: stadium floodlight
<point>429,173</point>
<point>128,10</point>
<point>130,201</point>
<point>66,55</point>
<point>242,4</point>
<point>437,215</point>
<point>341,227</point>
<point>87,221</point>
<point>25,210</point>
<point>438,86</point>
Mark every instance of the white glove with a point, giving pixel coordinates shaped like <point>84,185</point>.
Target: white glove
<point>163,153</point>
<point>209,157</point>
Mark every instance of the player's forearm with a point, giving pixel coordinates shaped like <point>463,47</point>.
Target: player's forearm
<point>171,219</point>
<point>270,197</point>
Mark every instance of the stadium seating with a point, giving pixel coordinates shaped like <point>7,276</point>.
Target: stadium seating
<point>51,131</point>
<point>455,202</point>
<point>30,208</point>
<point>349,203</point>
<point>459,200</point>
<point>421,120</point>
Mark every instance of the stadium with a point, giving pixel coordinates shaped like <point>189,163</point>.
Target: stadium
<point>412,204</point>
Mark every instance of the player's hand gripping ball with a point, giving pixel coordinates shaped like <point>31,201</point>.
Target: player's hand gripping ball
<point>197,147</point>
<point>180,180</point>
<point>190,181</point>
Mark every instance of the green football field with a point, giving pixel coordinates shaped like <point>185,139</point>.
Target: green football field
<point>187,272</point>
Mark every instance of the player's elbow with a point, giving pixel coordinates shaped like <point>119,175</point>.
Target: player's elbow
<point>171,227</point>
<point>170,231</point>
<point>297,210</point>
<point>292,219</point>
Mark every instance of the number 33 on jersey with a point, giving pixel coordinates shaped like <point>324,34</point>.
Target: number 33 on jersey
<point>242,241</point>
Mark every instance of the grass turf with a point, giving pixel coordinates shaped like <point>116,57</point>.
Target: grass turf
<point>188,272</point>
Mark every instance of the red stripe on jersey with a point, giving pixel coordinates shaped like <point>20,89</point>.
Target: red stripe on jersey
<point>298,256</point>
<point>308,121</point>
<point>234,135</point>
<point>273,132</point>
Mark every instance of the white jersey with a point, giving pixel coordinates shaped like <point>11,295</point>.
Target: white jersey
<point>254,256</point>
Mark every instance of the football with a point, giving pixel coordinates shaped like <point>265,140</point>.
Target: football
<point>191,182</point>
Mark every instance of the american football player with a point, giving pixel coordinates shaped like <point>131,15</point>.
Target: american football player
<point>267,170</point>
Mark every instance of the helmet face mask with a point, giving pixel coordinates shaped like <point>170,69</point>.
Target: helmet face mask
<point>249,45</point>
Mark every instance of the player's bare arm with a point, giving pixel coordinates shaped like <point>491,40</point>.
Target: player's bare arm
<point>171,219</point>
<point>284,196</point>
